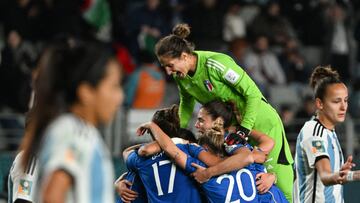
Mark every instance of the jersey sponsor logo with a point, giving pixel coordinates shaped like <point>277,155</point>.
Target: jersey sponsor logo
<point>231,76</point>
<point>318,146</point>
<point>160,154</point>
<point>208,85</point>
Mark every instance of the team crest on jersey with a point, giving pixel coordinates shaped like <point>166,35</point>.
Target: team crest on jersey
<point>208,85</point>
<point>318,146</point>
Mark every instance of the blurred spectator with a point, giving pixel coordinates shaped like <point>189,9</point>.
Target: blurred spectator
<point>146,24</point>
<point>262,64</point>
<point>357,39</point>
<point>270,23</point>
<point>18,58</point>
<point>234,25</point>
<point>308,108</point>
<point>305,112</point>
<point>118,20</point>
<point>205,18</point>
<point>307,18</point>
<point>249,11</point>
<point>66,18</point>
<point>337,45</point>
<point>98,15</point>
<point>287,115</point>
<point>146,86</point>
<point>28,17</point>
<point>293,63</point>
<point>354,100</point>
<point>237,50</point>
<point>125,59</point>
<point>178,7</point>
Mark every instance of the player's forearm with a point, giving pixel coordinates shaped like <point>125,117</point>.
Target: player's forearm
<point>55,191</point>
<point>168,146</point>
<point>149,149</point>
<point>353,176</point>
<point>237,161</point>
<point>266,144</point>
<point>128,150</point>
<point>209,159</point>
<point>329,178</point>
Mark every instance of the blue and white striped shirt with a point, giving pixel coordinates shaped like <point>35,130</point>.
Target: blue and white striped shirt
<point>313,143</point>
<point>72,145</point>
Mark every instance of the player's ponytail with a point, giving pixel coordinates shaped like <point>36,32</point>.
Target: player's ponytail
<point>321,78</point>
<point>214,137</point>
<point>175,44</point>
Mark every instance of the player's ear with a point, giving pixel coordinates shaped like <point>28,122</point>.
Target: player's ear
<point>184,55</point>
<point>319,103</point>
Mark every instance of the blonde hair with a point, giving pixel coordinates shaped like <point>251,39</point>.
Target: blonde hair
<point>214,138</point>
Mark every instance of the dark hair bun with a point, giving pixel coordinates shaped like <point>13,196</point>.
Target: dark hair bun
<point>322,72</point>
<point>181,30</point>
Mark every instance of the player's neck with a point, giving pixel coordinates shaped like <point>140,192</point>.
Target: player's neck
<point>193,63</point>
<point>326,122</point>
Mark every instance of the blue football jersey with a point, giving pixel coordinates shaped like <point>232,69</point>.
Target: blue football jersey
<point>163,180</point>
<point>136,186</point>
<point>236,186</point>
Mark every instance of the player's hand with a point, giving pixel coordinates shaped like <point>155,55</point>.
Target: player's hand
<point>200,175</point>
<point>259,156</point>
<point>143,128</point>
<point>340,177</point>
<point>348,165</point>
<point>122,188</point>
<point>264,181</point>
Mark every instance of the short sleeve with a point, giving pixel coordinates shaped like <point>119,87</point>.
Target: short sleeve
<point>189,168</point>
<point>64,156</point>
<point>132,160</point>
<point>194,150</point>
<point>315,146</point>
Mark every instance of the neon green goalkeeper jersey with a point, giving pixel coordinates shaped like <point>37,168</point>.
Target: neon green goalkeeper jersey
<point>217,76</point>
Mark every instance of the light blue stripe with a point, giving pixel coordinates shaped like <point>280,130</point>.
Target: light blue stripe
<point>96,179</point>
<point>328,191</point>
<point>300,167</point>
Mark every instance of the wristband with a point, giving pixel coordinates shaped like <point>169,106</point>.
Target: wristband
<point>350,176</point>
<point>244,130</point>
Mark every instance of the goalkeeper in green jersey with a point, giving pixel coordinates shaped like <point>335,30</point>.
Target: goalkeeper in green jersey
<point>204,76</point>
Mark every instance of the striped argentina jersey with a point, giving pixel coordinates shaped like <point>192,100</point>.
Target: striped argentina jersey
<point>76,147</point>
<point>314,142</point>
<point>22,181</point>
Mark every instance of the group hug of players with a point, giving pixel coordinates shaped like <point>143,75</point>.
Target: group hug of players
<point>164,170</point>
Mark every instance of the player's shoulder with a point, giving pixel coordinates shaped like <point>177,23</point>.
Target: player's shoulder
<point>313,128</point>
<point>215,61</point>
<point>66,127</point>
